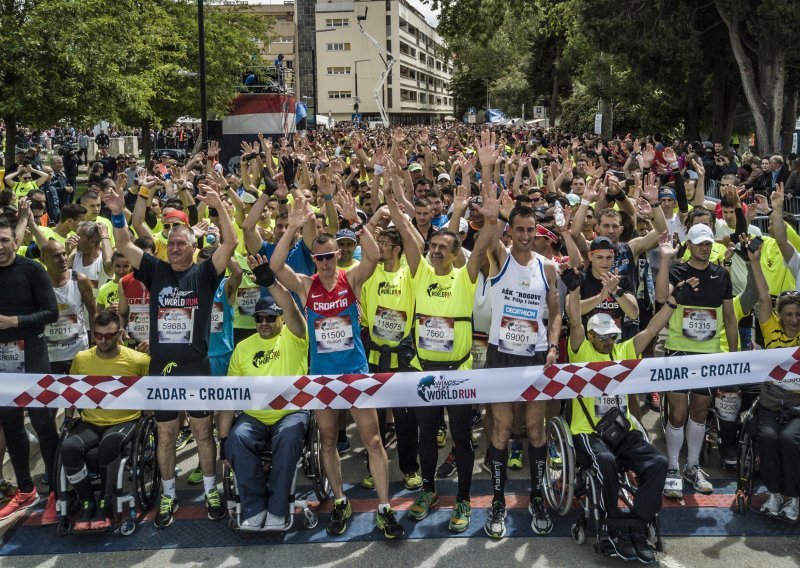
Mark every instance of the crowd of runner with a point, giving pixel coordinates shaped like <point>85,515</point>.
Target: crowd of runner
<point>441,248</point>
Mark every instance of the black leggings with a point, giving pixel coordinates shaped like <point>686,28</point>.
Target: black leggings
<point>428,421</point>
<point>779,450</point>
<point>95,448</point>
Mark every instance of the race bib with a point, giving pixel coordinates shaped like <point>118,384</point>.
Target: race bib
<point>64,330</point>
<point>246,299</point>
<point>334,334</point>
<point>480,345</point>
<point>389,325</point>
<point>139,323</point>
<point>603,404</point>
<point>517,336</point>
<point>175,325</point>
<point>217,317</point>
<point>436,334</point>
<point>12,357</point>
<point>699,324</point>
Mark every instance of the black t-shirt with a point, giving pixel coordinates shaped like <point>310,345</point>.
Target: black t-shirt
<point>180,309</point>
<point>591,287</point>
<point>715,284</point>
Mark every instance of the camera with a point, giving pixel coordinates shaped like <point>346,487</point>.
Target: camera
<point>68,149</point>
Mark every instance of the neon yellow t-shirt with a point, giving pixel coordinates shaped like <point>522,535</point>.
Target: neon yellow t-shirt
<point>387,304</point>
<point>723,337</point>
<point>597,406</point>
<point>779,278</point>
<point>108,294</point>
<point>128,363</point>
<point>246,297</point>
<point>282,355</point>
<point>440,299</point>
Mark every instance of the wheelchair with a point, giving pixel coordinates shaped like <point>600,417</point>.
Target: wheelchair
<point>311,465</point>
<point>138,466</point>
<point>569,484</point>
<point>748,466</point>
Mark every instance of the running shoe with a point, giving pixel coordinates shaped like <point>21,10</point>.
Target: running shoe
<point>7,491</point>
<point>515,457</point>
<point>214,506</point>
<point>387,522</point>
<point>338,522</point>
<point>368,482</point>
<point>476,417</point>
<point>390,437</point>
<point>790,510</point>
<point>166,512</point>
<point>730,455</point>
<point>343,446</point>
<point>698,478</point>
<point>425,501</point>
<point>196,477</point>
<point>772,506</point>
<point>621,541</point>
<point>184,437</point>
<point>441,436</point>
<point>447,467</point>
<point>644,550</point>
<point>541,523</point>
<point>495,525</point>
<point>85,516</point>
<point>19,502</point>
<point>101,519</point>
<point>653,401</point>
<point>459,517</point>
<point>50,515</point>
<point>413,480</point>
<point>673,486</point>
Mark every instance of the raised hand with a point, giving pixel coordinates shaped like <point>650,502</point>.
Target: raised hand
<point>666,246</point>
<point>777,196</point>
<point>650,192</point>
<point>213,149</point>
<point>669,156</point>
<point>487,152</point>
<point>648,156</point>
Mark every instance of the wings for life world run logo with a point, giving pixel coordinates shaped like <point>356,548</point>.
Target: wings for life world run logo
<point>432,388</point>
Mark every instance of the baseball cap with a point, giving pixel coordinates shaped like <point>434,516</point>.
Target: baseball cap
<point>542,231</point>
<point>700,234</point>
<point>602,243</point>
<point>247,197</point>
<point>602,324</point>
<point>267,305</point>
<point>666,192</point>
<point>344,234</point>
<point>442,176</point>
<point>414,167</point>
<point>177,214</point>
<point>573,199</point>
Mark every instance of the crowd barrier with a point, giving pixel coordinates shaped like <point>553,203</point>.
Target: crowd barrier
<point>385,390</point>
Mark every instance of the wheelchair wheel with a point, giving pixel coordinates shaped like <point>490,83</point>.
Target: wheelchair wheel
<point>559,471</point>
<point>747,462</point>
<point>147,476</point>
<point>322,487</point>
<point>578,533</point>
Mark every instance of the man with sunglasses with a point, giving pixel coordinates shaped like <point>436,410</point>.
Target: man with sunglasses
<point>278,348</point>
<point>107,431</point>
<point>330,298</point>
<point>597,342</point>
<point>181,298</point>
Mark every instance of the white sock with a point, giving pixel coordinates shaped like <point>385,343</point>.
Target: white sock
<point>383,507</point>
<point>209,483</point>
<point>674,442</point>
<point>695,433</point>
<point>168,487</point>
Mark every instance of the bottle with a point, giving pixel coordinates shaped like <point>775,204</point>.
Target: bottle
<point>211,238</point>
<point>558,214</point>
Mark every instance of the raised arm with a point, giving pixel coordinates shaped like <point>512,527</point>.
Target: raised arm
<point>576,332</point>
<point>412,240</point>
<point>264,276</point>
<point>490,233</point>
<point>122,237</point>
<point>299,284</point>
<point>760,282</point>
<point>229,239</point>
<point>778,224</point>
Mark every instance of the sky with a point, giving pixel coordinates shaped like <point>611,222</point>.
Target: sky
<point>430,16</point>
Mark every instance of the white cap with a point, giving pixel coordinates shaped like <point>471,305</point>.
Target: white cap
<point>602,324</point>
<point>700,234</point>
<point>442,176</point>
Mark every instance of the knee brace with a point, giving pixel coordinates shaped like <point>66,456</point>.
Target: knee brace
<point>78,477</point>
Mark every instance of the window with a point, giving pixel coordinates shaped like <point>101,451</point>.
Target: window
<point>407,95</point>
<point>339,70</point>
<point>339,95</point>
<point>337,23</point>
<point>338,47</point>
<point>389,97</point>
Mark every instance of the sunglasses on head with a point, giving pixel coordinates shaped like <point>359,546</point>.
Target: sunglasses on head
<point>105,336</point>
<point>607,336</point>
<point>323,256</point>
<point>265,318</point>
<point>789,293</point>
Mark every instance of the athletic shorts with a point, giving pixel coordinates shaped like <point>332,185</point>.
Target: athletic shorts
<point>199,368</point>
<point>496,359</point>
<point>702,391</point>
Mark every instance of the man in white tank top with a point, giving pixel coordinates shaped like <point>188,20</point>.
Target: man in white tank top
<point>93,252</point>
<point>67,336</point>
<point>523,285</point>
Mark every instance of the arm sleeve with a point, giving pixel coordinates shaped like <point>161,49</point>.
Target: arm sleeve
<point>46,309</point>
<point>680,193</point>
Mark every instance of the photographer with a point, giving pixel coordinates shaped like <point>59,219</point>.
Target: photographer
<point>723,165</point>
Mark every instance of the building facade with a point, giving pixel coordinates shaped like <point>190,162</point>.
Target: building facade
<point>349,65</point>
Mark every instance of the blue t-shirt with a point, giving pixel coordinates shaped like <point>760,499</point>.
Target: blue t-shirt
<point>299,260</point>
<point>220,341</point>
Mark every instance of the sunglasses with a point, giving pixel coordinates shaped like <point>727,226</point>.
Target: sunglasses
<point>265,319</point>
<point>323,256</point>
<point>169,226</point>
<point>105,336</point>
<point>789,293</point>
<point>607,336</point>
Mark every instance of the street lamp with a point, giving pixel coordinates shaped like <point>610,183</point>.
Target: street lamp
<point>201,48</point>
<point>356,62</point>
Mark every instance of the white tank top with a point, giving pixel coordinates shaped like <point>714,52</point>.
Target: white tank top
<point>66,336</point>
<point>94,272</point>
<point>519,296</point>
<point>481,321</point>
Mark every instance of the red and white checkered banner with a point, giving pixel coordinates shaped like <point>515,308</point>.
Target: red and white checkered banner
<point>383,390</point>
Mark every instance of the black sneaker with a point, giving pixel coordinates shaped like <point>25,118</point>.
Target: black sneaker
<point>390,438</point>
<point>644,551</point>
<point>184,437</point>
<point>214,505</point>
<point>447,467</point>
<point>387,522</point>
<point>338,522</point>
<point>166,512</point>
<point>621,542</point>
<point>730,455</point>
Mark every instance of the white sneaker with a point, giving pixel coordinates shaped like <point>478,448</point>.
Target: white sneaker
<point>275,523</point>
<point>791,509</point>
<point>254,523</point>
<point>698,478</point>
<point>673,486</point>
<point>772,506</point>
